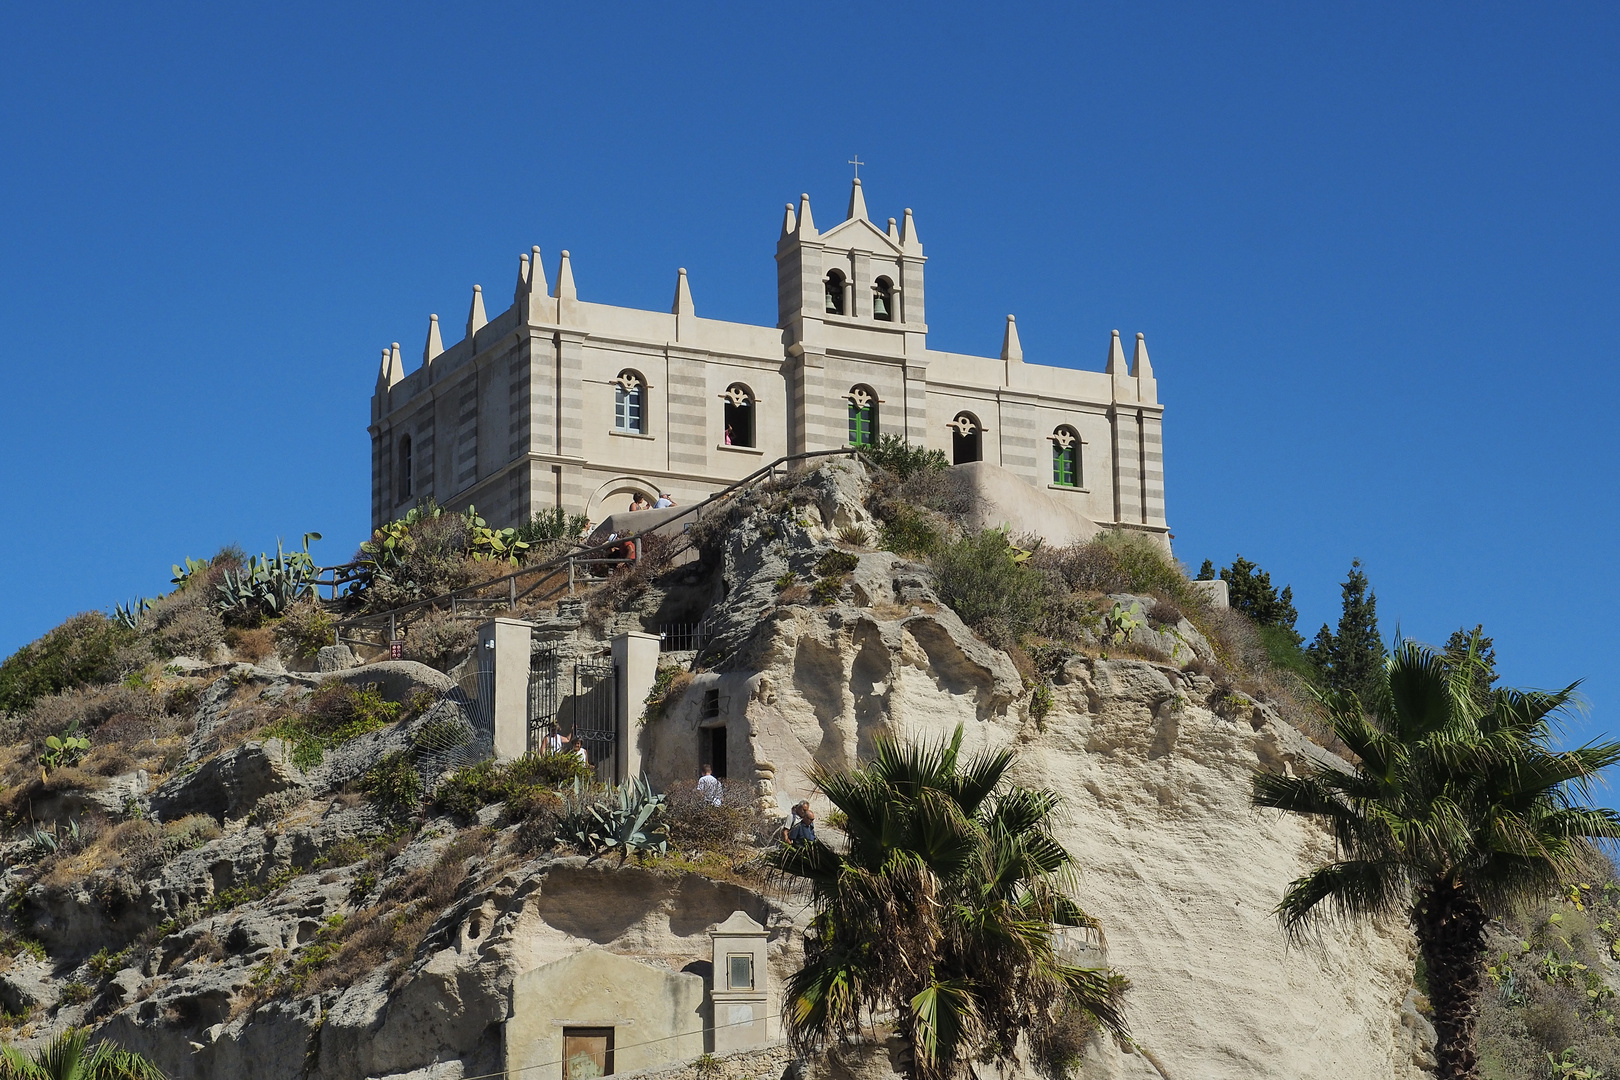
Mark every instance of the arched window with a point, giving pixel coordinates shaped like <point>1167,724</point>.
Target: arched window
<point>863,416</point>
<point>835,293</point>
<point>405,477</point>
<point>739,415</point>
<point>630,403</point>
<point>967,439</point>
<point>1065,457</point>
<point>883,301</point>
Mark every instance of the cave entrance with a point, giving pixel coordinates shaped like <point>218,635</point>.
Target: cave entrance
<point>712,749</point>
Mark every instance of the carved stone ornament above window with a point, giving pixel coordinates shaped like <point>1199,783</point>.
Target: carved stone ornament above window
<point>737,396</point>
<point>860,397</point>
<point>1062,437</point>
<point>963,424</point>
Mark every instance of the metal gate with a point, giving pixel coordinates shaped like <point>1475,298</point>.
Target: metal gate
<point>596,720</point>
<point>543,699</point>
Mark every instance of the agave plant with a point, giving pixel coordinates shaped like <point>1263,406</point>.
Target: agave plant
<point>130,615</point>
<point>266,586</point>
<point>625,820</point>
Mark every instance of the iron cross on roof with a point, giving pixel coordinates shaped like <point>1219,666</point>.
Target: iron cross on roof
<point>857,162</point>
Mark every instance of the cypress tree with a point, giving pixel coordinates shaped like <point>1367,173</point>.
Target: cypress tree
<point>1206,572</point>
<point>1355,655</point>
<point>1251,592</point>
<point>1484,651</point>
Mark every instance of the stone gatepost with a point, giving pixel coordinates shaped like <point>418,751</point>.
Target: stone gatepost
<point>503,645</point>
<point>635,656</point>
<point>740,992</point>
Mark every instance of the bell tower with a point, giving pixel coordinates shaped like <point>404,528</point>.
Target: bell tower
<point>852,291</point>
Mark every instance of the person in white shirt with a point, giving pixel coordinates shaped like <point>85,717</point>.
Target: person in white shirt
<point>577,746</point>
<point>709,787</point>
<point>555,742</point>
<point>663,501</point>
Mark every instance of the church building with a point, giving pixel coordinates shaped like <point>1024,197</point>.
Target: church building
<point>559,401</point>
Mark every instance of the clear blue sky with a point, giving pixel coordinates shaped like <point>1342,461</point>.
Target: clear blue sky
<point>1373,249</point>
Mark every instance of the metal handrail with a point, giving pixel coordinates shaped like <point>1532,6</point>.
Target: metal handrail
<point>553,566</point>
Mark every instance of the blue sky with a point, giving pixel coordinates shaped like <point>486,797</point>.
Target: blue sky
<point>1373,248</point>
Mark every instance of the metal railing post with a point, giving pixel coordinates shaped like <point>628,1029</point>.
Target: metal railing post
<point>512,602</point>
<point>570,577</point>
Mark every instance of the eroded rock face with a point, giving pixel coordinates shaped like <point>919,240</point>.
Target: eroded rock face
<point>232,784</point>
<point>1153,763</point>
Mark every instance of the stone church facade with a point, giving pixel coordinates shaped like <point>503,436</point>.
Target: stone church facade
<point>558,401</point>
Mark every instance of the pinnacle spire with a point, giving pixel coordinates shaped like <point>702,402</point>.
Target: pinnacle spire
<point>435,344</point>
<point>1011,350</point>
<point>476,318</point>
<point>392,371</point>
<point>807,224</point>
<point>522,289</point>
<point>382,372</point>
<point>894,231</point>
<point>683,295</point>
<point>1116,356</point>
<point>857,202</point>
<point>565,279</point>
<point>537,274</point>
<point>1141,367</point>
<point>908,232</point>
<point>789,223</point>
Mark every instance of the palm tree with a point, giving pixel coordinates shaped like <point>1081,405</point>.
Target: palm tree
<point>70,1057</point>
<point>1457,809</point>
<point>942,913</point>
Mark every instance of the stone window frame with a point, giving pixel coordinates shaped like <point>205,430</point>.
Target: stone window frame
<point>862,398</point>
<point>630,396</point>
<point>972,424</point>
<point>750,400</point>
<point>1068,456</point>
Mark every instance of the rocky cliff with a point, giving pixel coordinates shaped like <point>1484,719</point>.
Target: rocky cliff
<point>277,920</point>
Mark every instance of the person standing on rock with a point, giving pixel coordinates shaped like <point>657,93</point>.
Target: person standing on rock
<point>709,787</point>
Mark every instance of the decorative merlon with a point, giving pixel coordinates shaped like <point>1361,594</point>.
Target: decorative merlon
<point>807,224</point>
<point>1141,367</point>
<point>789,223</point>
<point>565,279</point>
<point>908,233</point>
<point>857,203</point>
<point>476,319</point>
<point>683,295</point>
<point>1116,357</point>
<point>1011,350</point>
<point>435,343</point>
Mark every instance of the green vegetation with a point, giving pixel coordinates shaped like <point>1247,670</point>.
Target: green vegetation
<point>831,569</point>
<point>669,686</point>
<point>305,628</point>
<point>909,531</point>
<point>550,526</point>
<point>266,587</point>
<point>1250,591</point>
<point>393,783</point>
<point>942,912</point>
<point>1459,808</point>
<point>70,1056</point>
<point>105,963</point>
<point>334,715</point>
<point>625,821</point>
<point>527,785</point>
<point>999,597</point>
<point>65,749</point>
<point>893,454</point>
<point>1352,660</point>
<point>81,651</point>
